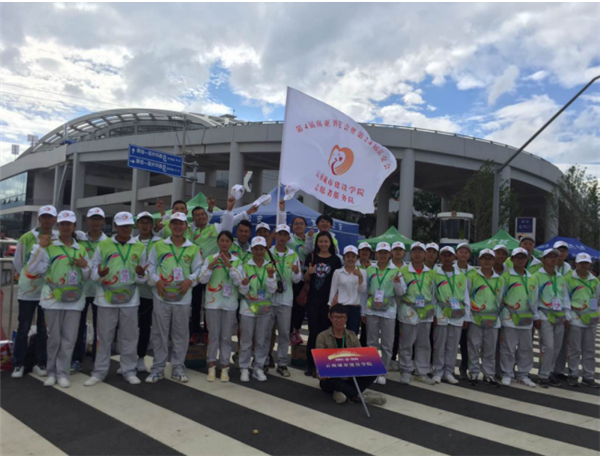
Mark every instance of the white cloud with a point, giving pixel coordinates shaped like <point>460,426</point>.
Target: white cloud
<point>503,84</point>
<point>398,115</point>
<point>537,76</point>
<point>413,98</point>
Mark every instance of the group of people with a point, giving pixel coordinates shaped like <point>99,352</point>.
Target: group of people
<point>156,285</point>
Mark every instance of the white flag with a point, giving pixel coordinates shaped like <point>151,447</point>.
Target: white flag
<point>328,155</point>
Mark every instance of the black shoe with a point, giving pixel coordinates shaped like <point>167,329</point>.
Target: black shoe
<point>463,373</point>
<point>573,381</point>
<point>266,368</point>
<point>491,382</point>
<point>554,381</point>
<point>283,371</point>
<point>590,382</point>
<point>473,381</point>
<point>561,376</point>
<point>544,383</point>
<point>309,372</point>
<point>271,362</point>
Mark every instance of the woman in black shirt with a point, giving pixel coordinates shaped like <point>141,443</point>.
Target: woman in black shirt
<point>320,267</point>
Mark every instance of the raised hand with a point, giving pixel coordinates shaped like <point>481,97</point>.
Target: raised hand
<point>252,210</point>
<point>141,271</point>
<point>212,202</point>
<point>397,279</point>
<point>282,205</point>
<point>356,272</point>
<point>160,206</point>
<point>312,231</point>
<point>270,271</point>
<point>230,203</point>
<point>295,269</point>
<point>246,281</point>
<point>80,262</point>
<point>311,269</point>
<point>103,272</point>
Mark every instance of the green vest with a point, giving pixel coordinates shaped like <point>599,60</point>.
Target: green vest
<point>449,289</point>
<point>581,293</point>
<point>381,280</point>
<point>284,272</point>
<point>206,240</point>
<point>241,254</point>
<point>58,274</point>
<point>549,289</point>
<point>90,247</point>
<point>218,280</point>
<point>189,234</point>
<point>518,296</point>
<point>117,258</point>
<point>485,299</point>
<point>297,245</point>
<point>418,285</point>
<point>30,285</point>
<point>166,263</point>
<point>258,298</point>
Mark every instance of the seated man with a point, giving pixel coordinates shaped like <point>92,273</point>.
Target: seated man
<point>338,336</point>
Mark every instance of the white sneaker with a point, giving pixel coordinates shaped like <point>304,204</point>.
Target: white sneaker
<point>141,365</point>
<point>425,379</point>
<point>212,374</point>
<point>339,397</point>
<point>133,380</point>
<point>451,379</point>
<point>506,381</point>
<point>394,366</point>
<point>405,378</point>
<point>153,378</point>
<point>40,371</point>
<point>259,375</point>
<point>381,380</point>
<point>92,381</point>
<point>245,375</point>
<point>63,382</point>
<point>18,372</point>
<point>50,381</point>
<point>527,382</point>
<point>372,398</point>
<point>225,374</point>
<point>437,379</point>
<point>119,371</point>
<point>180,377</point>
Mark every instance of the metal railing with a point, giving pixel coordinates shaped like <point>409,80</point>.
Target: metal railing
<point>4,261</point>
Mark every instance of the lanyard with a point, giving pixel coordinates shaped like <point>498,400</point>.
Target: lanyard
<point>451,281</point>
<point>420,283</point>
<point>343,341</point>
<point>71,260</point>
<point>554,286</point>
<point>588,286</point>
<point>524,281</point>
<point>280,259</point>
<point>177,260</point>
<point>488,284</point>
<point>124,258</point>
<point>261,279</point>
<point>381,279</point>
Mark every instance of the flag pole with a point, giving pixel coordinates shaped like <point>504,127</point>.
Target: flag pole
<point>280,160</point>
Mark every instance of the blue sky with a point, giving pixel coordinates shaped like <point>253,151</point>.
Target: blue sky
<point>495,71</point>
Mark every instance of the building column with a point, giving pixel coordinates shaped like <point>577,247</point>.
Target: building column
<point>257,182</point>
<point>504,178</point>
<point>236,168</point>
<point>141,179</point>
<point>407,192</point>
<point>77,186</point>
<point>59,186</point>
<point>178,192</point>
<point>551,225</point>
<point>446,205</point>
<point>383,208</point>
<point>210,177</point>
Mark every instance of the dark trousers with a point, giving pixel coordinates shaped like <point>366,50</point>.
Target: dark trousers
<point>353,322</point>
<point>145,325</point>
<point>80,345</point>
<point>318,321</point>
<point>298,311</point>
<point>197,297</point>
<point>396,345</point>
<point>346,386</point>
<point>363,334</point>
<point>464,352</point>
<point>26,311</point>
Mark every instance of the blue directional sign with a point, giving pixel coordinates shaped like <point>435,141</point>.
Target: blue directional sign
<point>155,161</point>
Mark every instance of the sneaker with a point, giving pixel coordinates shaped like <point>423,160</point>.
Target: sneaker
<point>195,339</point>
<point>141,365</point>
<point>133,380</point>
<point>180,377</point>
<point>381,380</point>
<point>554,381</point>
<point>63,382</point>
<point>372,398</point>
<point>283,371</point>
<point>18,372</point>
<point>491,382</point>
<point>259,375</point>
<point>212,374</point>
<point>236,359</point>
<point>153,378</point>
<point>473,380</point>
<point>224,375</point>
<point>544,383</point>
<point>463,373</point>
<point>50,381</point>
<point>75,367</point>
<point>527,382</point>
<point>506,381</point>
<point>271,361</point>
<point>265,368</point>
<point>405,378</point>
<point>92,381</point>
<point>40,370</point>
<point>437,379</point>
<point>245,375</point>
<point>590,382</point>
<point>394,366</point>
<point>309,372</point>
<point>560,376</point>
<point>339,398</point>
<point>425,379</point>
<point>119,371</point>
<point>451,379</point>
<point>574,382</point>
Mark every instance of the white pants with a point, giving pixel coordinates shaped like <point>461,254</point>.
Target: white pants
<point>516,343</point>
<point>282,318</point>
<point>417,336</point>
<point>445,349</point>
<point>582,347</point>
<point>551,337</point>
<point>221,324</point>
<point>63,326</point>
<point>126,318</point>
<point>259,330</point>
<point>381,327</point>
<point>482,343</point>
<point>170,319</point>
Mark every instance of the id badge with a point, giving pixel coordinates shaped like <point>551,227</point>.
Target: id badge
<point>594,304</point>
<point>178,275</point>
<point>379,296</point>
<point>124,276</point>
<point>556,304</point>
<point>261,294</point>
<point>420,301</point>
<point>72,278</point>
<point>226,290</point>
<point>454,303</point>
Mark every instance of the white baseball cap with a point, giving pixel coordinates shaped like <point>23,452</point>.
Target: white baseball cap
<point>518,250</point>
<point>432,245</point>
<point>351,249</point>
<point>559,244</point>
<point>95,211</point>
<point>123,218</point>
<point>47,210</point>
<point>67,216</point>
<point>525,237</point>
<point>178,216</point>
<point>398,245</point>
<point>447,249</point>
<point>464,245</point>
<point>501,247</point>
<point>364,245</point>
<point>550,251</point>
<point>263,225</point>
<point>583,258</point>
<point>283,227</point>
<point>417,245</point>
<point>258,240</point>
<point>487,252</point>
<point>141,215</point>
<point>383,246</point>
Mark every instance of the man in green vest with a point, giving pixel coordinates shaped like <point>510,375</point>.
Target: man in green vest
<point>527,242</point>
<point>30,287</point>
<point>562,266</point>
<point>552,313</point>
<point>241,245</point>
<point>584,291</point>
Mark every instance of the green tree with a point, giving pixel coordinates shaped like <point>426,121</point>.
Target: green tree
<point>426,226</point>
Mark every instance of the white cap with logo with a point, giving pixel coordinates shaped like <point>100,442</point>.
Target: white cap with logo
<point>123,218</point>
<point>417,245</point>
<point>66,216</point>
<point>583,258</point>
<point>432,245</point>
<point>258,240</point>
<point>519,250</point>
<point>398,245</point>
<point>178,216</point>
<point>283,227</point>
<point>487,252</point>
<point>146,214</point>
<point>263,225</point>
<point>550,251</point>
<point>350,249</point>
<point>464,245</point>
<point>559,244</point>
<point>47,210</point>
<point>447,249</point>
<point>501,247</point>
<point>364,245</point>
<point>95,211</point>
<point>526,237</point>
<point>382,246</point>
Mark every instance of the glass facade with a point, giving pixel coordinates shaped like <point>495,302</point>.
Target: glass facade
<point>14,191</point>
